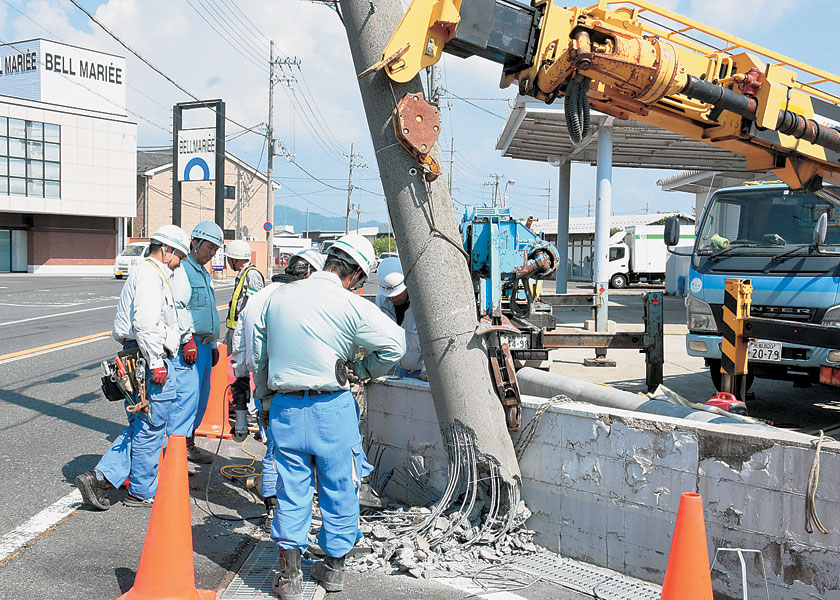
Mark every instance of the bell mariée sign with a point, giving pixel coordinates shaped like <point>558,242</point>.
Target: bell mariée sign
<point>61,74</point>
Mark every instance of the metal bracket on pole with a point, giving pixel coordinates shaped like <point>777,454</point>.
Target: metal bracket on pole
<point>733,348</point>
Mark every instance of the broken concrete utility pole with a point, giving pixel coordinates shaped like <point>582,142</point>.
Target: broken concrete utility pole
<point>432,255</point>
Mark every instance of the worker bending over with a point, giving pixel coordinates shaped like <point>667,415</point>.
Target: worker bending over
<point>393,300</point>
<point>195,301</point>
<point>302,264</point>
<point>145,319</point>
<point>307,336</point>
<point>248,282</point>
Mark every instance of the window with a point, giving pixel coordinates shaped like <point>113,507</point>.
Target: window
<point>230,192</point>
<point>616,253</point>
<point>30,158</point>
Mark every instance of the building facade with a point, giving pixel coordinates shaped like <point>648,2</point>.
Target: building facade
<point>67,158</point>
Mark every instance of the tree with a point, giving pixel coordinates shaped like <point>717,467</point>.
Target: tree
<point>384,244</point>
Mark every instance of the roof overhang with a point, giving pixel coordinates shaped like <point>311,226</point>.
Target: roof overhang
<point>535,131</point>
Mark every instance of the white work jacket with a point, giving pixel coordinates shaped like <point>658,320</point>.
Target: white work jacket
<point>146,312</point>
<point>306,325</point>
<point>413,359</point>
<point>241,347</point>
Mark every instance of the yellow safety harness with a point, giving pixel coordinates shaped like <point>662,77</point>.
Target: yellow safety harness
<point>232,317</point>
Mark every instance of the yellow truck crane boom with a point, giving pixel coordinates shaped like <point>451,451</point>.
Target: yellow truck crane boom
<point>634,60</point>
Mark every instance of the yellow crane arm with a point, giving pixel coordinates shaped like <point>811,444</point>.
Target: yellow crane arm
<point>634,60</point>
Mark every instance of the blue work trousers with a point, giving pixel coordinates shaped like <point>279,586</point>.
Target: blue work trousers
<point>317,433</point>
<point>269,473</point>
<point>193,390</point>
<point>136,451</point>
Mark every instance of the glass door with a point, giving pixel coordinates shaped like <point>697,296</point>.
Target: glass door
<point>5,250</point>
<point>20,251</point>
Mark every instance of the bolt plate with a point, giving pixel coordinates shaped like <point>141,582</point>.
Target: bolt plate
<point>255,577</point>
<point>417,123</point>
<point>585,578</point>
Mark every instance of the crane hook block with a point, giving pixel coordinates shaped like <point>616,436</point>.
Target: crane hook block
<point>417,127</point>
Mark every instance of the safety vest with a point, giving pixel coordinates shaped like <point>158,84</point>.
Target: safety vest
<point>232,317</point>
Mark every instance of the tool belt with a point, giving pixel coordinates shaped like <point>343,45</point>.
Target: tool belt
<point>124,378</point>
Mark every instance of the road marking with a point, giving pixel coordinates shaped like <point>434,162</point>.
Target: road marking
<point>71,312</point>
<point>40,523</point>
<point>85,339</point>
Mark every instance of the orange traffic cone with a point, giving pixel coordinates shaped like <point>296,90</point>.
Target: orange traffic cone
<point>215,423</point>
<point>167,570</point>
<point>687,574</point>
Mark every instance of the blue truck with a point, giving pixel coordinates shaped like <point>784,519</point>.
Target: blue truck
<point>765,233</point>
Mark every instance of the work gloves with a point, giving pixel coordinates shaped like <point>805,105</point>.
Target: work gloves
<point>241,391</point>
<point>159,376</point>
<point>190,351</point>
<point>265,408</point>
<point>215,356</point>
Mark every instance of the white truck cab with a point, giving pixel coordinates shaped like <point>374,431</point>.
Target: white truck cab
<point>637,255</point>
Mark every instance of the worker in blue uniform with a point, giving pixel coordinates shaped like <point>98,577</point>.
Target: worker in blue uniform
<point>307,336</point>
<point>198,319</point>
<point>301,266</point>
<point>146,320</point>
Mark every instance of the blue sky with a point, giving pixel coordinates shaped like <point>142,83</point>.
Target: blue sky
<point>320,114</point>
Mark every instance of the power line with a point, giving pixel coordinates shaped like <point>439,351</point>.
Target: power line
<point>153,67</point>
<point>227,39</point>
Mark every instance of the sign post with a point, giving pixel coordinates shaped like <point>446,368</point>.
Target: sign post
<point>198,155</point>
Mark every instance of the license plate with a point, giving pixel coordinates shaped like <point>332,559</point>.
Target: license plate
<point>516,342</point>
<point>767,351</point>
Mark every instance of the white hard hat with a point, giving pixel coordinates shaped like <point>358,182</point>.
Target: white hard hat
<point>208,230</point>
<point>238,250</point>
<point>313,257</point>
<point>358,249</point>
<point>174,237</point>
<point>391,278</point>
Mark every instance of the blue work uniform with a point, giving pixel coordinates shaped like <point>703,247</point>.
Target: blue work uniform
<point>195,302</point>
<point>146,320</point>
<point>304,328</point>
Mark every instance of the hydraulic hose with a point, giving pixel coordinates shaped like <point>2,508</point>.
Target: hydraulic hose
<point>576,108</point>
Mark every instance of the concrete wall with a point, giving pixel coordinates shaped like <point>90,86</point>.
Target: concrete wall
<point>604,486</point>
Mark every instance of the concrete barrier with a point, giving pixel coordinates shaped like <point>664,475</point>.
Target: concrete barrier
<point>604,486</point>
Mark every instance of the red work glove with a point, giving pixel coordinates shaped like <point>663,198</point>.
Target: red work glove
<point>190,352</point>
<point>159,376</point>
<point>215,356</point>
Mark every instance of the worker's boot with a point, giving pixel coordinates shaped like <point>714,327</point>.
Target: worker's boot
<point>93,486</point>
<point>270,509</point>
<point>329,573</point>
<point>289,584</point>
<point>196,454</point>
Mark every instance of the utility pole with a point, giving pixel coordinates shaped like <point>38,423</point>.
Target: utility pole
<point>588,207</point>
<point>353,164</point>
<point>269,192</point>
<point>269,132</point>
<point>495,185</point>
<point>548,197</point>
<point>307,222</point>
<point>357,208</point>
<point>442,296</point>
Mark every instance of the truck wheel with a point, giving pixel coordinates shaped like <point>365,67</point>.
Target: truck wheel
<point>118,276</point>
<point>618,281</point>
<point>714,371</point>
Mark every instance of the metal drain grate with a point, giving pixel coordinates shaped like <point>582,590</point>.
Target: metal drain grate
<point>585,578</point>
<point>254,579</point>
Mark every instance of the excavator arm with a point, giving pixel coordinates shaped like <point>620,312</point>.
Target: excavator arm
<point>633,60</point>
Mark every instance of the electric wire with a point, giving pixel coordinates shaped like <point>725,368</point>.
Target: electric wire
<point>153,67</point>
<point>227,39</point>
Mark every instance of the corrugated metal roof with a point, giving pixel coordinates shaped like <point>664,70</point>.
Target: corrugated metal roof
<point>534,131</point>
<point>587,224</point>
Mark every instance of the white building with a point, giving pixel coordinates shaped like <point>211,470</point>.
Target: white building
<point>67,158</point>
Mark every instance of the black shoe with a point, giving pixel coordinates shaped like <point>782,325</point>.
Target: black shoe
<point>93,485</point>
<point>196,454</point>
<point>329,573</point>
<point>289,584</point>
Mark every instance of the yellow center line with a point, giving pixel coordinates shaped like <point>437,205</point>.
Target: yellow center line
<point>57,345</point>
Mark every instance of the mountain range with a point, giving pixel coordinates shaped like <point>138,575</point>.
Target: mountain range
<point>287,215</point>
